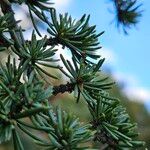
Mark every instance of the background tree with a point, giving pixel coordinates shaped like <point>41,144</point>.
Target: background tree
<point>127,13</point>
<point>26,98</point>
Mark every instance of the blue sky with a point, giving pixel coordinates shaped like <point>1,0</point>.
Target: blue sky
<point>128,56</point>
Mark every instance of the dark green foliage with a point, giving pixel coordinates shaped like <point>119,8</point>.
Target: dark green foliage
<point>34,6</point>
<point>85,77</point>
<point>113,124</point>
<point>10,79</point>
<point>127,13</point>
<point>65,131</point>
<point>25,98</point>
<point>78,36</point>
<point>35,53</point>
<point>19,100</point>
<point>5,24</point>
<point>5,132</point>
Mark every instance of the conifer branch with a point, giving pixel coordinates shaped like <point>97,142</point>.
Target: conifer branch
<point>23,93</point>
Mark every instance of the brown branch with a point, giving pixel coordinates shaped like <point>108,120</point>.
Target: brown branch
<point>52,41</point>
<point>102,136</point>
<point>69,87</point>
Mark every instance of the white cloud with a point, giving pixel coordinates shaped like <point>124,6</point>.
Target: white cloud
<point>66,54</point>
<point>109,55</point>
<point>129,79</point>
<point>139,93</point>
<point>132,88</point>
<point>21,15</point>
<point>61,4</point>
